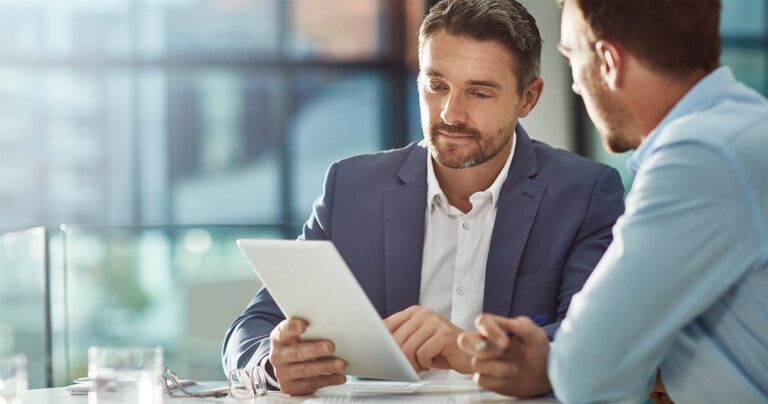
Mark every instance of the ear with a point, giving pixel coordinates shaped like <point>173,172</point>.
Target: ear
<point>531,97</point>
<point>611,63</point>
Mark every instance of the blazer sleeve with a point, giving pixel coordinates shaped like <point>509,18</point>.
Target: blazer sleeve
<point>594,235</point>
<point>246,342</point>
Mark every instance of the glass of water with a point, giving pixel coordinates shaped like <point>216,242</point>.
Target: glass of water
<point>125,375</point>
<point>13,379</point>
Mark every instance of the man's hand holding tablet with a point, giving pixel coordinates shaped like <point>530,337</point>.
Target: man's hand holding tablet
<point>330,327</point>
<point>302,367</point>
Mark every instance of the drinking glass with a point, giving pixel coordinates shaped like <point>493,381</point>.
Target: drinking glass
<point>13,379</point>
<point>125,375</point>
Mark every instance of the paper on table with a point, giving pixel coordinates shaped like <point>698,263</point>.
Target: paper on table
<point>370,387</point>
<point>85,385</point>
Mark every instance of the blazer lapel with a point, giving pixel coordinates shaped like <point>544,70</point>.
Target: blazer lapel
<point>518,204</point>
<point>404,209</point>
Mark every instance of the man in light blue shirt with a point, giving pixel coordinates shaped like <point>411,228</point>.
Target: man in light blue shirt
<point>679,302</point>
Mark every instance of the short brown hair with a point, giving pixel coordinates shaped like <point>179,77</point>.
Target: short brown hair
<point>506,21</point>
<point>673,36</point>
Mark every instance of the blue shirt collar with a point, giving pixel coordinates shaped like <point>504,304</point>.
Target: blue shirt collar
<point>698,97</point>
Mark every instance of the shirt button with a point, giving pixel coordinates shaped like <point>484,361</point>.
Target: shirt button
<point>466,225</point>
<point>437,200</point>
<point>460,290</point>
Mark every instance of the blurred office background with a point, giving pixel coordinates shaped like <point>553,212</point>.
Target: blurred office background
<point>159,131</point>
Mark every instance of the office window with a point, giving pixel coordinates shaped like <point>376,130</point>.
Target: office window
<point>360,35</point>
<point>354,101</point>
<point>65,145</point>
<point>223,146</point>
<point>159,111</point>
<point>211,28</point>
<point>744,36</point>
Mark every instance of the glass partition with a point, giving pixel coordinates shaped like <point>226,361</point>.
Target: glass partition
<point>23,301</point>
<point>175,286</point>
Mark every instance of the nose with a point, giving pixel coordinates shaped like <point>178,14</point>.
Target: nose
<point>453,110</point>
<point>576,89</point>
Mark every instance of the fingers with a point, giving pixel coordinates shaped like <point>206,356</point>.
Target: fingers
<point>409,329</point>
<point>288,331</point>
<point>427,351</point>
<point>300,352</point>
<point>405,323</point>
<point>414,344</point>
<point>520,368</point>
<point>310,385</point>
<point>440,350</point>
<point>474,344</point>
<point>490,326</point>
<point>304,367</point>
<point>394,321</point>
<point>310,369</point>
<point>490,382</point>
<point>424,336</point>
<point>522,327</point>
<point>499,369</point>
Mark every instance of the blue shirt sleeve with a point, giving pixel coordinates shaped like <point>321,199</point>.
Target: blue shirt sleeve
<point>685,239</point>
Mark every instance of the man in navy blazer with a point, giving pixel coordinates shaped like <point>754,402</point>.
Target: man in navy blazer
<point>516,224</point>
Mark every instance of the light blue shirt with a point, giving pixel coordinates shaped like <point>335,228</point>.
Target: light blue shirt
<point>684,286</point>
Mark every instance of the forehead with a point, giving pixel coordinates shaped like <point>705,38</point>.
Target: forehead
<point>573,27</point>
<point>461,56</point>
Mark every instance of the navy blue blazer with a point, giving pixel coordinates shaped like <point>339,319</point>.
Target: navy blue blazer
<point>553,224</point>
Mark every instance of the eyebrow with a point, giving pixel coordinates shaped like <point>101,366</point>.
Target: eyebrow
<point>481,83</point>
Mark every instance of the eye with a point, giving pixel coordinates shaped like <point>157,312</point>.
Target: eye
<point>436,86</point>
<point>482,95</point>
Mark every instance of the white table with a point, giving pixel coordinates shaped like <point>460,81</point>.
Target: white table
<point>448,391</point>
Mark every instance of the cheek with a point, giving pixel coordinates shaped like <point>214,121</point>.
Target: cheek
<point>426,113</point>
<point>429,106</point>
<point>492,117</point>
<point>595,108</point>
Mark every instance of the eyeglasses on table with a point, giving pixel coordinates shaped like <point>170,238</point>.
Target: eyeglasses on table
<point>242,384</point>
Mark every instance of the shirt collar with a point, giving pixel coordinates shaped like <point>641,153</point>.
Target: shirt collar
<point>434,190</point>
<point>700,96</point>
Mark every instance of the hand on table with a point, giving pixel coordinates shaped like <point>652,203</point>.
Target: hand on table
<point>511,364</point>
<point>428,340</point>
<point>302,367</point>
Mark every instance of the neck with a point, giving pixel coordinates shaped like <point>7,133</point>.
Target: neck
<point>657,94</point>
<point>459,184</point>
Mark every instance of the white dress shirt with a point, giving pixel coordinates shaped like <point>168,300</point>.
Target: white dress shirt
<point>455,253</point>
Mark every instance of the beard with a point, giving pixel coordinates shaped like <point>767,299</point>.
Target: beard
<point>486,146</point>
<point>609,114</point>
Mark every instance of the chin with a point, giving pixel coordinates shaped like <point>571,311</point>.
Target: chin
<point>452,159</point>
<point>618,143</point>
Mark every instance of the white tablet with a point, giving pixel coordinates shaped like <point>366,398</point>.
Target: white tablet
<point>310,280</point>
